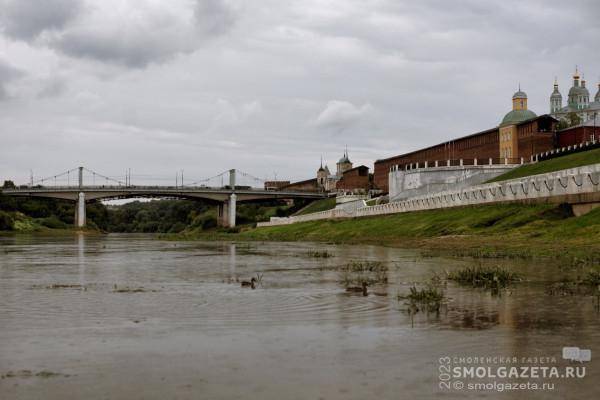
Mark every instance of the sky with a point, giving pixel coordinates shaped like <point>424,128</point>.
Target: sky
<point>270,86</point>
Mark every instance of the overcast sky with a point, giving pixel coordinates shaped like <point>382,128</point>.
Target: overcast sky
<point>268,86</point>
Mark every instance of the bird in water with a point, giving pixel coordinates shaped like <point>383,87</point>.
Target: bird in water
<point>251,283</point>
<point>362,289</point>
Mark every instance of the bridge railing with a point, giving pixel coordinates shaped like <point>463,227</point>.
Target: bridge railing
<point>136,188</point>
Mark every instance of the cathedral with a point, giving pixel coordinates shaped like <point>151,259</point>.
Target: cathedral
<point>578,101</point>
<point>327,181</point>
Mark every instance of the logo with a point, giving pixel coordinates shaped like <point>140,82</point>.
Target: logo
<point>576,354</point>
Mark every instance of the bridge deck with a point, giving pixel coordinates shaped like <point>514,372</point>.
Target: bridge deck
<point>210,193</point>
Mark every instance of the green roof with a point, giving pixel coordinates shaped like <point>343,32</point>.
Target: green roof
<point>516,116</point>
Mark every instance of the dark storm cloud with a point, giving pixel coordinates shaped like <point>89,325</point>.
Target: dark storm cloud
<point>27,19</point>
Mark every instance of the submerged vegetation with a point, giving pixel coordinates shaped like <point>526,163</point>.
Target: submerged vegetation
<point>320,254</point>
<point>430,298</point>
<point>369,272</point>
<point>484,277</point>
<point>589,284</point>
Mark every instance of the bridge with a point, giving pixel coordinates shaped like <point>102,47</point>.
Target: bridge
<point>225,196</point>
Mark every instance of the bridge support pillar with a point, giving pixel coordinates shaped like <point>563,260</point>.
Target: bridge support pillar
<point>232,208</point>
<point>223,214</point>
<point>80,211</point>
<point>226,212</point>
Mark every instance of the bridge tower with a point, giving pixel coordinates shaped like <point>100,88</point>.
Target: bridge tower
<point>227,209</point>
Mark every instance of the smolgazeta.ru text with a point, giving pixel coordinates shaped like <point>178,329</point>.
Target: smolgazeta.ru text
<point>527,372</point>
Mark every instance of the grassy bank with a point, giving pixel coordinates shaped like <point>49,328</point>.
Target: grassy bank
<point>505,230</point>
<point>554,164</point>
<point>318,205</point>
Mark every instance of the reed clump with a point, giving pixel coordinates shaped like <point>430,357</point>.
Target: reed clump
<point>369,272</point>
<point>484,277</point>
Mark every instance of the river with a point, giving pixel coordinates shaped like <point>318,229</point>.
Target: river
<point>135,317</point>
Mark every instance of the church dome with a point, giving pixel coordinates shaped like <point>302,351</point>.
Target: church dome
<point>519,95</point>
<point>517,116</point>
<point>344,159</point>
<point>578,91</point>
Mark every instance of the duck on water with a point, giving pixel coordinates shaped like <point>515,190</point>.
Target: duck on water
<point>251,283</point>
<point>355,289</point>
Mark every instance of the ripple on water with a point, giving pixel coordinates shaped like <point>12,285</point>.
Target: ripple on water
<point>272,306</point>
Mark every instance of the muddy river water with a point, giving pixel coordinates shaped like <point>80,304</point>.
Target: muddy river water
<point>135,317</point>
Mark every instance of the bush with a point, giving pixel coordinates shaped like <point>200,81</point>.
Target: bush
<point>52,222</point>
<point>6,222</point>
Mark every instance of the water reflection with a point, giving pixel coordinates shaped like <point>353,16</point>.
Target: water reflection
<point>300,315</point>
<point>232,262</point>
<point>81,257</point>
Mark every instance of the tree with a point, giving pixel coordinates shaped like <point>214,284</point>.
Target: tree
<point>562,124</point>
<point>574,119</point>
<point>9,185</point>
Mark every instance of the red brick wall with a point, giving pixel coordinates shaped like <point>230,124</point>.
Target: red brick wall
<point>533,137</point>
<point>484,145</point>
<point>309,185</point>
<point>276,184</point>
<point>356,178</point>
<point>569,137</point>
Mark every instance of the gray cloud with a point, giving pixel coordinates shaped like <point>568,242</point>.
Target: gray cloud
<point>27,19</point>
<point>214,17</point>
<point>253,87</point>
<point>340,116</point>
<point>131,33</point>
<point>52,87</point>
<point>152,33</point>
<point>8,74</point>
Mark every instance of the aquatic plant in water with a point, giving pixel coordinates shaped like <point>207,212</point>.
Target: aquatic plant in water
<point>430,297</point>
<point>484,277</point>
<point>369,272</point>
<point>320,254</point>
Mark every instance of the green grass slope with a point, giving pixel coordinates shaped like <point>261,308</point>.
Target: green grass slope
<point>554,164</point>
<point>318,205</point>
<point>501,229</point>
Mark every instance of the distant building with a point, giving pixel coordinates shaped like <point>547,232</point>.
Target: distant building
<point>578,101</point>
<point>276,185</point>
<point>327,181</point>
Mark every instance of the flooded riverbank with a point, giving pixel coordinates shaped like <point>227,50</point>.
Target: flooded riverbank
<point>130,316</point>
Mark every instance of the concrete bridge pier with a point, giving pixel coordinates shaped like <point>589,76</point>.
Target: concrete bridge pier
<point>226,212</point>
<point>80,211</point>
<point>223,214</point>
<point>227,209</point>
<point>232,207</point>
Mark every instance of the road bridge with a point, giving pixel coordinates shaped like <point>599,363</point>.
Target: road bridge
<point>226,197</point>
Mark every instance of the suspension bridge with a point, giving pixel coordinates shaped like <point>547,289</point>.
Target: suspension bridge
<point>83,185</point>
